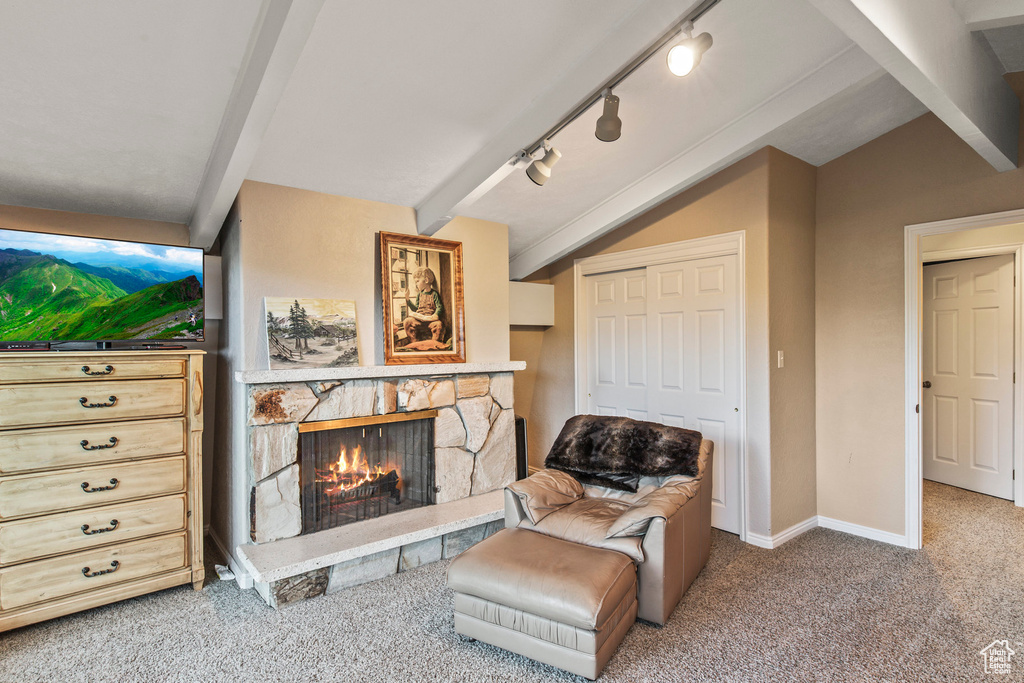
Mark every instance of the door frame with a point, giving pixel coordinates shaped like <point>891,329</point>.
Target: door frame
<point>914,260</point>
<point>725,244</point>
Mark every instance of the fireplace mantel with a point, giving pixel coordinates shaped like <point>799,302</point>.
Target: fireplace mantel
<point>374,372</point>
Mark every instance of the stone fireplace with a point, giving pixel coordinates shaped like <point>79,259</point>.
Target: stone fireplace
<point>460,414</point>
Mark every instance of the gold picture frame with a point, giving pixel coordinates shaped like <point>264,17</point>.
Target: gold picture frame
<point>422,290</point>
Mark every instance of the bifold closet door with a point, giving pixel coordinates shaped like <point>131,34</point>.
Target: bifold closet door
<point>617,344</point>
<point>663,345</point>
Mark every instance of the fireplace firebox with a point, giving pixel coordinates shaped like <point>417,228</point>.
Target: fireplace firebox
<point>362,468</point>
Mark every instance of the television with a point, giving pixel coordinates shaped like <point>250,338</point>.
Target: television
<point>61,288</point>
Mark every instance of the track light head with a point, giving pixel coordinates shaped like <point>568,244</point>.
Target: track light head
<point>609,126</point>
<point>539,171</point>
<point>684,57</point>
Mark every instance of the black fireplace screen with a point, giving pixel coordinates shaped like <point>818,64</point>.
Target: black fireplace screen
<point>356,473</point>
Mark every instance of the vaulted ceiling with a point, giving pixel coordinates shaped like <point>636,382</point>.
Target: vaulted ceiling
<point>160,109</point>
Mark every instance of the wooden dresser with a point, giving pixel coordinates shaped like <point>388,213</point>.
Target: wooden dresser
<point>100,478</point>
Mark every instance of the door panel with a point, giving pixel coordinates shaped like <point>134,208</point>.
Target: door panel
<point>617,375</point>
<point>968,359</point>
<point>702,357</point>
<point>663,344</point>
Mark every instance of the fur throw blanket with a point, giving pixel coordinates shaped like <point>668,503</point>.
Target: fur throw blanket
<point>616,451</point>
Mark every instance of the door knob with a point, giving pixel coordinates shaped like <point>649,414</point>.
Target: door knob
<point>926,384</point>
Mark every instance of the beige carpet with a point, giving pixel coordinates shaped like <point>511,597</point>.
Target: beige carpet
<point>824,607</point>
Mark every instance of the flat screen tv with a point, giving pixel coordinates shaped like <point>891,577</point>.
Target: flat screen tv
<point>59,288</point>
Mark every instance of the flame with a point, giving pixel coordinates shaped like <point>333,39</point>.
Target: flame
<point>346,475</point>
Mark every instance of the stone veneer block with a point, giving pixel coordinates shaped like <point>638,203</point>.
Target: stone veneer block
<point>300,587</point>
<point>496,463</point>
<point>459,542</point>
<point>476,415</point>
<point>387,397</point>
<point>453,474</point>
<point>320,388</point>
<point>448,429</point>
<point>280,403</point>
<point>363,569</point>
<point>420,553</point>
<point>502,389</point>
<point>277,509</point>
<point>472,385</point>
<point>419,394</point>
<point>442,393</point>
<point>351,399</point>
<point>273,447</point>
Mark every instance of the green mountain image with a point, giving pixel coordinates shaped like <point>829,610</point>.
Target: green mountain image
<point>131,280</point>
<point>46,298</point>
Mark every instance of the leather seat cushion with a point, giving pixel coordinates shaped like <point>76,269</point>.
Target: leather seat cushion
<point>566,582</point>
<point>589,521</point>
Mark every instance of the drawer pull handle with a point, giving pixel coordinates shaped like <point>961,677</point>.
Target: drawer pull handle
<point>113,568</point>
<point>85,486</point>
<point>105,371</point>
<point>87,447</point>
<point>85,402</point>
<point>89,532</point>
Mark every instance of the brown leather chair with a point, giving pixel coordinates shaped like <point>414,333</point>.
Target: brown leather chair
<point>664,526</point>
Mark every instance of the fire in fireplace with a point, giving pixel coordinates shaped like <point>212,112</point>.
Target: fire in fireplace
<point>351,470</point>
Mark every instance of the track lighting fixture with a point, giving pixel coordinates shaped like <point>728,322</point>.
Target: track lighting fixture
<point>540,170</point>
<point>684,57</point>
<point>609,126</point>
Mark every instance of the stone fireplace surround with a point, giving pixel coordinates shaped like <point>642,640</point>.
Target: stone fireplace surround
<point>474,451</point>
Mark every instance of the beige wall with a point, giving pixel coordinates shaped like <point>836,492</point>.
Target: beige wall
<point>918,173</point>
<point>734,199</point>
<point>308,244</point>
<point>138,230</point>
<point>791,198</point>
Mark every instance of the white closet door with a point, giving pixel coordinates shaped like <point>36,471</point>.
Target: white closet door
<point>617,344</point>
<point>663,345</point>
<point>694,364</point>
<point>968,362</point>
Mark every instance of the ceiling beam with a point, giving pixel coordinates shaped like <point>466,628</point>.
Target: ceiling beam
<point>627,41</point>
<point>929,49</point>
<point>985,14</point>
<point>730,143</point>
<point>280,35</point>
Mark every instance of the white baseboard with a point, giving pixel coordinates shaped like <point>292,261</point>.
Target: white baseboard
<point>772,542</point>
<point>862,531</point>
<point>241,576</point>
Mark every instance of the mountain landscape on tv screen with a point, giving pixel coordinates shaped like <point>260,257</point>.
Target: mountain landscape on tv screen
<point>44,297</point>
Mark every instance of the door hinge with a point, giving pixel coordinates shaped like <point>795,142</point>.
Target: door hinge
<point>917,408</point>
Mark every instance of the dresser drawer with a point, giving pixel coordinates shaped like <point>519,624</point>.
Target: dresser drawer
<point>27,584</point>
<point>88,368</point>
<point>42,449</point>
<point>66,532</point>
<point>45,404</point>
<point>32,494</point>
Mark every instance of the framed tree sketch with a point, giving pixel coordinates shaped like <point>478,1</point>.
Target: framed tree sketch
<point>311,333</point>
<point>421,287</point>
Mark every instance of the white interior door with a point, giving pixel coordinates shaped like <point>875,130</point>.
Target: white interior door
<point>967,363</point>
<point>617,344</point>
<point>663,345</point>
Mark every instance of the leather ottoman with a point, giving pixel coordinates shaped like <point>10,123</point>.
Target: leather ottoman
<point>561,603</point>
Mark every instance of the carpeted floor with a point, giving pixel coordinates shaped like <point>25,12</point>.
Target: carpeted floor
<point>824,607</point>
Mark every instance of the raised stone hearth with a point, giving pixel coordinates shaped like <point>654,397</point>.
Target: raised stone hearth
<point>474,453</point>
